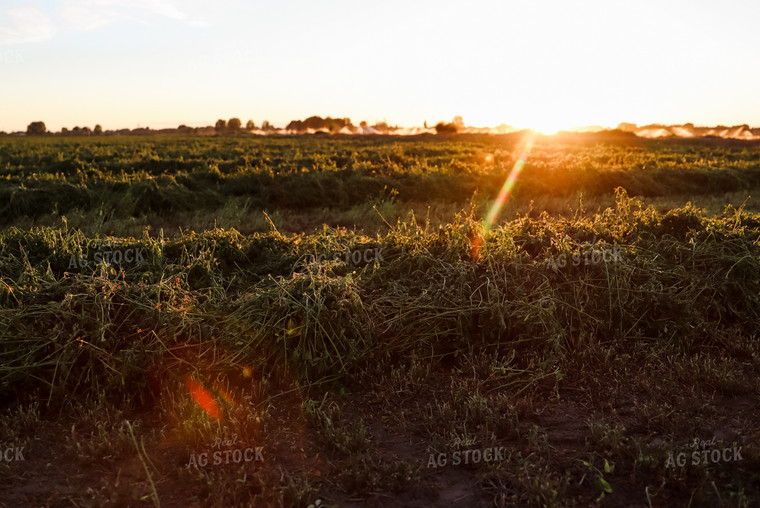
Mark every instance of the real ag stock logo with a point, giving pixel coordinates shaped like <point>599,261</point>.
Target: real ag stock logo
<point>355,256</point>
<point>704,452</point>
<point>232,454</point>
<point>11,453</point>
<point>591,255</point>
<point>466,456</point>
<point>11,56</point>
<point>116,256</point>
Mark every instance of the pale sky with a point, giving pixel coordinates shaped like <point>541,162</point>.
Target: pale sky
<point>537,63</point>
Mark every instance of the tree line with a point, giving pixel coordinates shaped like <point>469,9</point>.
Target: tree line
<point>235,126</point>
<point>39,129</point>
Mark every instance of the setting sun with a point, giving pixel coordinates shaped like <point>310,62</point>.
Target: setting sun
<point>549,127</point>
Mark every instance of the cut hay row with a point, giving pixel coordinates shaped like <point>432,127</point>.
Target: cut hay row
<point>680,280</point>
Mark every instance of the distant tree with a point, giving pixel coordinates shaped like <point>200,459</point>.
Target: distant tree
<point>97,130</point>
<point>445,128</point>
<point>234,124</point>
<point>64,131</point>
<point>36,129</point>
<point>458,123</point>
<point>266,126</point>
<point>220,126</point>
<point>295,125</point>
<point>362,124</point>
<point>318,123</point>
<point>249,125</point>
<point>81,131</point>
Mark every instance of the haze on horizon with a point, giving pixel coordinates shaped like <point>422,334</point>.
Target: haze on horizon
<point>542,64</point>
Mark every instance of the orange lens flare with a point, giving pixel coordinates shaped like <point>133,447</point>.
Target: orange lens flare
<point>203,398</point>
<point>476,243</point>
<point>506,189</point>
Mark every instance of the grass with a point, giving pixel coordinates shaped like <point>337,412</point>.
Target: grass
<point>121,179</point>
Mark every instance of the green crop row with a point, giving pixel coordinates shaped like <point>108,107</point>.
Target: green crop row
<point>161,175</point>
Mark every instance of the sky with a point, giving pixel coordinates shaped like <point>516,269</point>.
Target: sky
<point>540,64</point>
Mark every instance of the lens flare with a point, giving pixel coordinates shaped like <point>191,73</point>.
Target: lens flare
<point>477,239</point>
<point>203,398</point>
<point>476,242</point>
<point>506,189</point>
